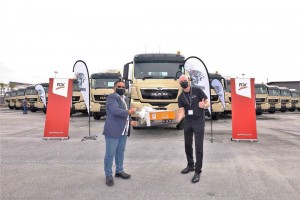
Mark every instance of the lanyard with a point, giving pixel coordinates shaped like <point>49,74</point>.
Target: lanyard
<point>188,102</point>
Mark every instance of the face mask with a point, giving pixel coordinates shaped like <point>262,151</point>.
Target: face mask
<point>120,91</point>
<point>184,84</point>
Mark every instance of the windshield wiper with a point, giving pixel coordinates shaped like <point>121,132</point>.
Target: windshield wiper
<point>169,77</point>
<point>148,77</point>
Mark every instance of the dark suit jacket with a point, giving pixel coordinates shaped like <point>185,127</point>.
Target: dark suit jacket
<point>116,116</point>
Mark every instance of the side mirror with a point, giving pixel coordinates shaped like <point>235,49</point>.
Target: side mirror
<point>178,74</point>
<point>126,71</point>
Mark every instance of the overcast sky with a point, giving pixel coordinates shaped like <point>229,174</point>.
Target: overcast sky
<point>258,38</point>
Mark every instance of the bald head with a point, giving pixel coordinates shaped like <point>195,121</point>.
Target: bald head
<point>183,78</point>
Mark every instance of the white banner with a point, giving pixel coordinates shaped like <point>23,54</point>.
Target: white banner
<point>219,89</point>
<point>242,87</point>
<point>60,86</point>
<point>41,90</point>
<point>82,75</point>
<point>199,75</point>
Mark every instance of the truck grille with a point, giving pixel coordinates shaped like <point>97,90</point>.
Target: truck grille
<point>295,101</point>
<point>159,93</point>
<point>100,97</point>
<point>259,100</point>
<point>284,100</point>
<point>214,97</point>
<point>32,99</point>
<point>75,98</point>
<point>273,100</point>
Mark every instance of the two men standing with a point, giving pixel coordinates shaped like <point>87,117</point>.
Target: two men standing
<point>191,103</point>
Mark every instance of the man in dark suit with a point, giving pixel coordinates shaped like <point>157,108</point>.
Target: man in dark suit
<point>116,131</point>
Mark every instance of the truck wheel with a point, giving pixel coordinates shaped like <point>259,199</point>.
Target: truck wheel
<point>272,112</point>
<point>96,116</point>
<point>259,112</point>
<point>44,110</point>
<point>215,116</point>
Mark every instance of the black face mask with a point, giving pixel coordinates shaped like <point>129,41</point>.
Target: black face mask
<point>120,91</point>
<point>184,84</point>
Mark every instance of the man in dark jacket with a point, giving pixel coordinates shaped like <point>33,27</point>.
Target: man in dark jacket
<point>191,103</point>
<point>116,131</point>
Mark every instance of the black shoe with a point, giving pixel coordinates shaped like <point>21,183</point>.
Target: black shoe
<point>109,180</point>
<point>187,170</point>
<point>196,178</point>
<point>123,175</point>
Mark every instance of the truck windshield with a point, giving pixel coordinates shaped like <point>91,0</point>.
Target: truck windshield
<point>295,94</point>
<point>155,70</point>
<point>13,94</point>
<point>261,90</point>
<point>76,87</point>
<point>21,93</point>
<point>285,93</point>
<point>103,83</point>
<point>273,92</point>
<point>31,91</point>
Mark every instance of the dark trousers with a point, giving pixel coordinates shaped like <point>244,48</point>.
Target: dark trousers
<point>198,131</point>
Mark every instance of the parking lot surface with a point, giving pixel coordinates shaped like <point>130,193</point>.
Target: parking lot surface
<point>33,168</point>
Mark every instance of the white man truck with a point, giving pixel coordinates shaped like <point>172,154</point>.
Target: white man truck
<point>152,82</point>
<point>101,86</point>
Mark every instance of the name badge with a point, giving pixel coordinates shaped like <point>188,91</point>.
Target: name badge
<point>190,112</point>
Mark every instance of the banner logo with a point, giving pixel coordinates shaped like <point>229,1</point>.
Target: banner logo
<point>80,78</point>
<point>241,87</point>
<point>60,87</point>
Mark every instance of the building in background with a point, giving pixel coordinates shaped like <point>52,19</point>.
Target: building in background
<point>288,84</point>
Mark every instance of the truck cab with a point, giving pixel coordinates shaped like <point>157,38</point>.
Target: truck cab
<point>228,97</point>
<point>285,99</point>
<point>20,98</point>
<point>13,98</point>
<point>261,98</point>
<point>32,97</point>
<point>152,82</point>
<point>7,97</point>
<point>101,86</point>
<point>216,104</point>
<point>78,104</point>
<point>294,100</point>
<point>274,98</point>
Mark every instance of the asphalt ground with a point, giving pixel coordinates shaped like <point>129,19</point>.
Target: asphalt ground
<point>33,168</point>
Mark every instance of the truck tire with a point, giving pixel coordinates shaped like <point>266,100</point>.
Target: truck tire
<point>96,116</point>
<point>215,116</point>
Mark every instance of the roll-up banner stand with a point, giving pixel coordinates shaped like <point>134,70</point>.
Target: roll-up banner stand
<point>243,109</point>
<point>58,108</point>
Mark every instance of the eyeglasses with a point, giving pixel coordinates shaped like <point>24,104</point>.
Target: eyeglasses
<point>120,86</point>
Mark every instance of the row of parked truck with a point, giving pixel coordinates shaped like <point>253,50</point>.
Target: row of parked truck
<point>151,81</point>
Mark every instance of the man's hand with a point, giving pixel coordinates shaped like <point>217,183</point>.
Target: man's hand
<point>133,123</point>
<point>131,111</point>
<point>179,114</point>
<point>202,104</point>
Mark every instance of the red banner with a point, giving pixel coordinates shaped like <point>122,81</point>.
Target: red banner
<point>243,109</point>
<point>58,109</point>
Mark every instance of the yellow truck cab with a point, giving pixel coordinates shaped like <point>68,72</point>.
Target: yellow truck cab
<point>216,104</point>
<point>152,82</point>
<point>78,104</point>
<point>13,99</point>
<point>261,98</point>
<point>101,86</point>
<point>20,98</point>
<point>228,97</point>
<point>294,100</point>
<point>32,97</point>
<point>274,98</point>
<point>285,99</point>
<point>7,98</point>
